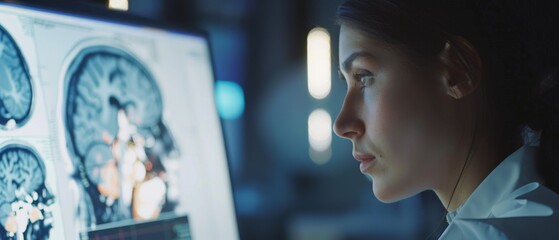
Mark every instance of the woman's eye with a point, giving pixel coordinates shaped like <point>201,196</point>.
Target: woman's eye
<point>365,79</point>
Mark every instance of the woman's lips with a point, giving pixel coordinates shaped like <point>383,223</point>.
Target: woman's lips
<point>367,161</point>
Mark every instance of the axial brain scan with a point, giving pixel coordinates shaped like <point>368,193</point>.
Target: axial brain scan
<point>117,139</point>
<point>15,84</point>
<point>25,202</point>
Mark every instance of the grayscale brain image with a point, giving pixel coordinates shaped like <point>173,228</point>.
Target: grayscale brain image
<point>116,136</point>
<point>16,95</point>
<point>25,202</point>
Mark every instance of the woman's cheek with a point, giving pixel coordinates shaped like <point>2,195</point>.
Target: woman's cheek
<point>401,130</point>
<point>392,125</point>
<point>395,176</point>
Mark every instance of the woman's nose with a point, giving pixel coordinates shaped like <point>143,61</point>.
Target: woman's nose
<point>348,124</point>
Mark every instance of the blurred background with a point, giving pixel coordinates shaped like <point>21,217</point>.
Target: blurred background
<point>292,177</point>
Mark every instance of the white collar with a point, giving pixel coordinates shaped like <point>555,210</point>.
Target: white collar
<point>513,177</point>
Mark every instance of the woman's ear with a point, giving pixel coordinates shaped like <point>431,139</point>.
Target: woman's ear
<point>461,67</point>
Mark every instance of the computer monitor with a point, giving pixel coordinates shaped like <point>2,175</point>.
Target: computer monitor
<point>108,129</point>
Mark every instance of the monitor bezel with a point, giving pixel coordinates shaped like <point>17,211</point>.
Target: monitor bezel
<point>104,14</point>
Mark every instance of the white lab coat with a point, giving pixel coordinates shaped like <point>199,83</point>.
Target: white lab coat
<point>510,203</point>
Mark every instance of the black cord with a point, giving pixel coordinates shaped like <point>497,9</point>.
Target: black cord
<point>457,182</point>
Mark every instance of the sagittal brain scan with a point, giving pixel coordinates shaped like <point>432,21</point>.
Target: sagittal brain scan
<point>16,95</point>
<point>117,139</point>
<point>25,202</point>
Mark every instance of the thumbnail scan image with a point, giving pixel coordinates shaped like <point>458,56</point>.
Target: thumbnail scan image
<point>16,94</point>
<point>25,202</point>
<point>116,137</point>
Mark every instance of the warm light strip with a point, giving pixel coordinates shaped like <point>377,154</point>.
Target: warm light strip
<point>320,130</point>
<point>118,5</point>
<point>318,63</point>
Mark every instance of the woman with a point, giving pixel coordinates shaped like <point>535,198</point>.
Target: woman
<point>446,96</point>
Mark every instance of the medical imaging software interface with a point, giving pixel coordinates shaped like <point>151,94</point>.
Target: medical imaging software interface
<point>108,131</point>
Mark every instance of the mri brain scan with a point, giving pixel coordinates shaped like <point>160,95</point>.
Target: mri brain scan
<point>116,136</point>
<point>16,95</point>
<point>25,202</point>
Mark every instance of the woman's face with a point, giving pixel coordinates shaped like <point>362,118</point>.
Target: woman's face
<point>403,125</point>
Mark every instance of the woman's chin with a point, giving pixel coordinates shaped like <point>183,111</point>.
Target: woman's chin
<point>388,194</point>
<point>386,198</point>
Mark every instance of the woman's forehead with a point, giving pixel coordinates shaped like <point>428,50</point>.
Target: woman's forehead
<point>354,41</point>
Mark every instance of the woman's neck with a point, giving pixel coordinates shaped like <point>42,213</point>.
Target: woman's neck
<point>484,156</point>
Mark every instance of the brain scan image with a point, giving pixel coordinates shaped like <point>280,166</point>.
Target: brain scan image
<point>16,94</point>
<point>117,139</point>
<point>25,202</point>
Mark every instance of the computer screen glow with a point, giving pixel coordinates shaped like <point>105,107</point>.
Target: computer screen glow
<point>108,131</point>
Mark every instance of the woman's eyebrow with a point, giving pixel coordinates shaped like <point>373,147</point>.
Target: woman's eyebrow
<point>346,65</point>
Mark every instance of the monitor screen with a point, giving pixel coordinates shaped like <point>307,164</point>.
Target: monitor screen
<point>108,130</point>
